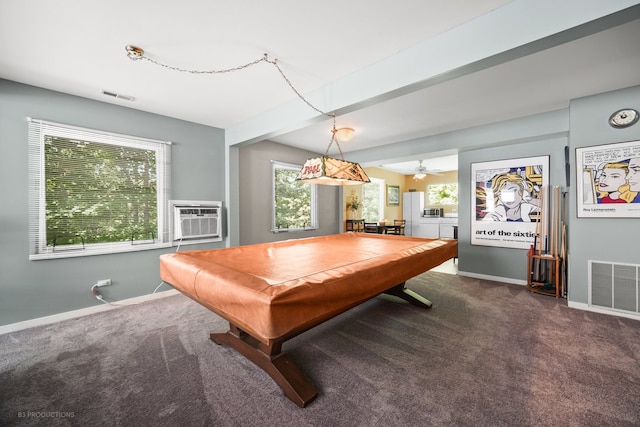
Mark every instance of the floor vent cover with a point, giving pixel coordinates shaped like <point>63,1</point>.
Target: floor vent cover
<point>614,286</point>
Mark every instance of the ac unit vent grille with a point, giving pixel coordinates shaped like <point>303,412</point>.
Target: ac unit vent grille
<point>614,286</point>
<point>196,222</point>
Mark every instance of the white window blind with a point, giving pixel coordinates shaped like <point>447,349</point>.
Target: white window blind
<point>94,192</point>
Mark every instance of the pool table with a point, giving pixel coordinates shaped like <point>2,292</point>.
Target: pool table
<point>271,292</point>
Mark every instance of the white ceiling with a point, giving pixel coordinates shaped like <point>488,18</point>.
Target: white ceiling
<point>432,164</point>
<point>78,47</point>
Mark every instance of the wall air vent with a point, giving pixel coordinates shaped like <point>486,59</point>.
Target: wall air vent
<point>118,96</point>
<point>614,286</point>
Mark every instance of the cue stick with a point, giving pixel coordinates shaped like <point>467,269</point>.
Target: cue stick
<point>551,217</point>
<point>542,220</point>
<point>548,233</point>
<point>538,241</point>
<point>558,213</point>
<point>558,219</point>
<point>539,221</point>
<point>556,202</point>
<point>554,223</point>
<point>565,276</point>
<point>541,271</point>
<point>554,237</point>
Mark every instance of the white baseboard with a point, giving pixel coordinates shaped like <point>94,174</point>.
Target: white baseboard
<point>570,304</point>
<point>493,278</point>
<point>609,311</point>
<point>47,320</point>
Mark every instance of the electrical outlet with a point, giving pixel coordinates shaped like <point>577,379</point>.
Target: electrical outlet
<point>105,282</point>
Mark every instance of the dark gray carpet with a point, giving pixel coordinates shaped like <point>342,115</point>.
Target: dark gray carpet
<point>487,354</point>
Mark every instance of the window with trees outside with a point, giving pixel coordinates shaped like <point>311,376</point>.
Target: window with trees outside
<point>442,194</point>
<point>373,200</point>
<point>93,192</point>
<point>294,202</point>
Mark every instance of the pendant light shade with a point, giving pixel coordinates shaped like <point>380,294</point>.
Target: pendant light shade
<point>344,134</point>
<point>329,171</point>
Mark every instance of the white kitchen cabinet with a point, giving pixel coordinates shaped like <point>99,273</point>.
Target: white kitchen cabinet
<point>429,227</point>
<point>446,227</point>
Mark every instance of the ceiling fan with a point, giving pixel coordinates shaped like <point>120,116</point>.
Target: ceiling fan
<point>422,171</point>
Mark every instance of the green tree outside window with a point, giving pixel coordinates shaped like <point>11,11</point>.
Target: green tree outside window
<point>442,194</point>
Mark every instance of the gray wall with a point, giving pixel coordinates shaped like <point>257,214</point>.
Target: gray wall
<point>611,240</point>
<point>255,194</point>
<point>584,123</point>
<point>543,134</point>
<point>31,289</point>
<point>494,261</point>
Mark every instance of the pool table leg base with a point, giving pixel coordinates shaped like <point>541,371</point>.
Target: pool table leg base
<point>273,361</point>
<point>408,295</point>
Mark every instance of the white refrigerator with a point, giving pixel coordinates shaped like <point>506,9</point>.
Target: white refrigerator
<point>412,210</point>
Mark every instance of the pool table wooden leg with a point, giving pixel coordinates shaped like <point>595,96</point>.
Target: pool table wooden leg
<point>409,295</point>
<point>273,361</point>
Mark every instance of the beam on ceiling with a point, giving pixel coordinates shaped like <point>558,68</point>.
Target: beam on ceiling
<point>515,30</point>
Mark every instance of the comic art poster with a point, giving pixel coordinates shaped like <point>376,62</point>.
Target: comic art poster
<point>608,181</point>
<point>508,201</point>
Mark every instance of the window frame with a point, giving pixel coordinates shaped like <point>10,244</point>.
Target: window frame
<point>38,246</point>
<point>276,164</point>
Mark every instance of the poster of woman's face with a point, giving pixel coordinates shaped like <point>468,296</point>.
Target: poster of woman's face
<point>608,184</point>
<point>507,201</point>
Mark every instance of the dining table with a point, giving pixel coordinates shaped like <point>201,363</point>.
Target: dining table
<point>384,227</point>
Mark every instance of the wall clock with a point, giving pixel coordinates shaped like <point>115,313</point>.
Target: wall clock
<point>624,118</point>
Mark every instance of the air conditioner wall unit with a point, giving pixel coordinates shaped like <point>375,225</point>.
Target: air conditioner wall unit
<point>196,219</point>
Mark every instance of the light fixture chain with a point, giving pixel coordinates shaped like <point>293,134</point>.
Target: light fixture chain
<point>227,70</point>
<point>332,115</point>
<point>135,53</point>
<point>139,54</point>
<point>333,137</point>
<point>275,64</point>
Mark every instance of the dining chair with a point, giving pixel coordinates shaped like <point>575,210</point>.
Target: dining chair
<point>398,227</point>
<point>370,227</point>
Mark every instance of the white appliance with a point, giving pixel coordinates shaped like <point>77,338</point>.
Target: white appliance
<point>412,208</point>
<point>196,220</point>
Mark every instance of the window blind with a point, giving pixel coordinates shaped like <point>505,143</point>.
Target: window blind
<point>294,204</point>
<point>93,192</point>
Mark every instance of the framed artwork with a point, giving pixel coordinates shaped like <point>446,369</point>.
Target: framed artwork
<point>608,180</point>
<point>507,201</point>
<point>393,195</point>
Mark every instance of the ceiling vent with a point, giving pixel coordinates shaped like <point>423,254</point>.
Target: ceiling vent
<point>118,96</point>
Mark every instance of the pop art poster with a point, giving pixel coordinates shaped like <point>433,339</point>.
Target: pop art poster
<point>608,181</point>
<point>508,200</point>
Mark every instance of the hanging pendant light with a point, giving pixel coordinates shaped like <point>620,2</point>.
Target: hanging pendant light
<point>320,170</point>
<point>325,170</point>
